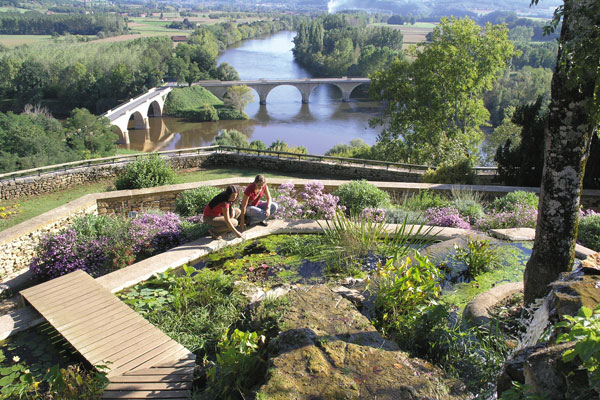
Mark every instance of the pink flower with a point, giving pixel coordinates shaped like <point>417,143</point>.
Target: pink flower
<point>251,269</point>
<point>264,266</point>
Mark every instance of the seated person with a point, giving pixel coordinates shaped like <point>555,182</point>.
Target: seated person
<point>255,211</point>
<point>220,214</point>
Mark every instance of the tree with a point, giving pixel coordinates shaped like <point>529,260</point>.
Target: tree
<point>232,138</point>
<point>435,109</point>
<point>226,72</point>
<point>89,135</point>
<point>574,115</point>
<point>238,97</point>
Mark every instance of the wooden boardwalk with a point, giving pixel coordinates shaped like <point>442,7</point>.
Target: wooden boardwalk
<point>142,361</point>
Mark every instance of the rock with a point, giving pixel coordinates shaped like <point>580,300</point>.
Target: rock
<point>513,369</point>
<point>477,311</point>
<point>546,373</point>
<point>578,290</point>
<point>278,291</point>
<point>252,292</point>
<point>591,265</point>
<point>353,295</point>
<point>328,350</point>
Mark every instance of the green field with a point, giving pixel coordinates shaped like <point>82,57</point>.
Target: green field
<point>13,9</point>
<point>17,40</point>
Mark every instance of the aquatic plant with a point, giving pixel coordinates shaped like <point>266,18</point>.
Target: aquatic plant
<point>479,256</point>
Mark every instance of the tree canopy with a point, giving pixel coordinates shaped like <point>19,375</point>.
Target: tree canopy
<point>434,105</point>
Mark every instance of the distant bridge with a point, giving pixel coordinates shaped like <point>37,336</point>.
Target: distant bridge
<point>149,104</point>
<point>305,86</point>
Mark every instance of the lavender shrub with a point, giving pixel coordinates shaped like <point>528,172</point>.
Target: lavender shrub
<point>521,216</point>
<point>316,203</point>
<point>373,214</point>
<point>155,233</point>
<point>446,217</point>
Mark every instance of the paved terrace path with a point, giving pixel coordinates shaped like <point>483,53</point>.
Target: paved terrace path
<point>142,361</point>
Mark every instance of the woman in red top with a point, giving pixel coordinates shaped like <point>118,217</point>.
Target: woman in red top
<point>255,211</point>
<point>220,214</point>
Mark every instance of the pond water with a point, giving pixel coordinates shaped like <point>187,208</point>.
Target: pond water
<point>319,125</point>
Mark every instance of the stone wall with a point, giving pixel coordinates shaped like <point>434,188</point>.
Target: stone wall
<point>52,181</point>
<point>18,244</point>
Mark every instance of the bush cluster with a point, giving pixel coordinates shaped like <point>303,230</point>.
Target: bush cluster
<point>447,217</point>
<point>314,202</point>
<point>100,244</point>
<point>589,230</point>
<point>144,172</point>
<point>193,201</point>
<point>358,195</point>
<point>458,173</point>
<point>516,200</point>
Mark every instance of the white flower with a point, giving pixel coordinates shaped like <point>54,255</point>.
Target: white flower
<point>16,359</point>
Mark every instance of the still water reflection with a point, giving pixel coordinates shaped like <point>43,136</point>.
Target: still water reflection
<point>319,125</point>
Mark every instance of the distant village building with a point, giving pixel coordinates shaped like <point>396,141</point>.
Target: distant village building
<point>179,38</point>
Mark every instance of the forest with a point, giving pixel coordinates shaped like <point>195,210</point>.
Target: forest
<point>336,45</point>
<point>35,23</point>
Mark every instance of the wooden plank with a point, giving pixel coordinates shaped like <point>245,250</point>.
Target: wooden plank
<point>72,297</point>
<point>160,371</point>
<point>66,316</point>
<point>145,359</point>
<point>132,344</point>
<point>161,356</point>
<point>149,386</point>
<point>124,394</point>
<point>128,358</point>
<point>104,320</point>
<point>149,378</point>
<point>113,332</point>
<point>50,286</point>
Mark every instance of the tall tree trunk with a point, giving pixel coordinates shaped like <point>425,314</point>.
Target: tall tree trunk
<point>572,121</point>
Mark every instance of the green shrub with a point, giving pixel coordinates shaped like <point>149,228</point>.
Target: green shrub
<point>589,231</point>
<point>206,114</point>
<point>145,172</point>
<point>423,200</point>
<point>258,145</point>
<point>404,288</point>
<point>238,366</point>
<point>584,329</point>
<point>226,113</point>
<point>358,195</point>
<point>468,203</point>
<point>232,138</point>
<point>399,215</point>
<point>193,201</point>
<point>514,201</point>
<point>458,173</point>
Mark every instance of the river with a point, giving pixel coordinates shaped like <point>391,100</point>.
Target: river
<point>319,125</point>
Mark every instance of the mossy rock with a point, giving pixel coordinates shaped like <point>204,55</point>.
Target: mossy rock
<point>327,349</point>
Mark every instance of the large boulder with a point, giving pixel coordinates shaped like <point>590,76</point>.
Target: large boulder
<point>327,349</point>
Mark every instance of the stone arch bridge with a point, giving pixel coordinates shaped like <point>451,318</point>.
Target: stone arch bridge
<point>305,86</point>
<point>149,104</point>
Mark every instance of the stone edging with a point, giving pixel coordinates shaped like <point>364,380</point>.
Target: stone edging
<point>477,311</point>
<point>26,317</point>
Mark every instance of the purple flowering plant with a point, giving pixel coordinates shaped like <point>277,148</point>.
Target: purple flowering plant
<point>446,217</point>
<point>373,214</point>
<point>521,216</point>
<point>100,244</point>
<point>312,203</point>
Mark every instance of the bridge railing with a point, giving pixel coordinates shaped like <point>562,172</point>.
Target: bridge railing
<point>339,160</point>
<point>124,105</point>
<point>240,150</point>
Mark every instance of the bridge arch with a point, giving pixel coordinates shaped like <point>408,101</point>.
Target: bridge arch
<point>139,122</point>
<point>286,87</point>
<point>154,109</point>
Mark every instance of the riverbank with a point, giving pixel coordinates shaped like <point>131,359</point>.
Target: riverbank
<point>199,105</point>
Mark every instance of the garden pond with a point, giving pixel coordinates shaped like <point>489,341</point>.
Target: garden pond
<point>203,304</point>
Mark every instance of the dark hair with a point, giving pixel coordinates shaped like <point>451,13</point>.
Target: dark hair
<point>260,179</point>
<point>223,196</point>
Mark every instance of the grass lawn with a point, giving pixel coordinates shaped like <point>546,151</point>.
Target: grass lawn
<point>34,206</point>
<point>17,40</point>
<point>14,9</point>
